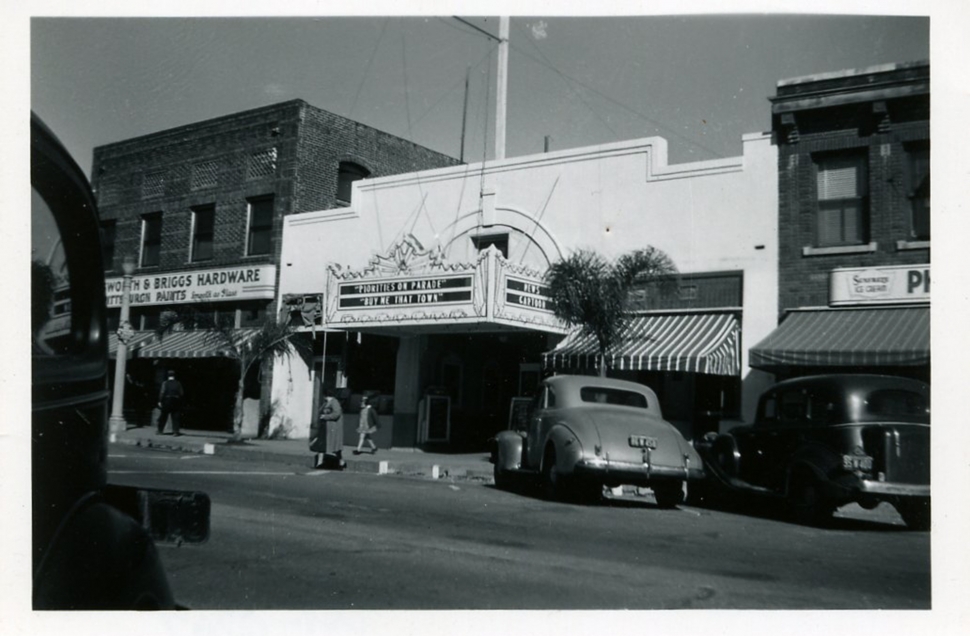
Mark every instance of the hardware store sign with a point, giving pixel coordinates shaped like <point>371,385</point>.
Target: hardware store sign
<point>196,286</point>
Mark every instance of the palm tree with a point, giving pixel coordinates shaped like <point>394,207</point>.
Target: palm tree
<point>589,292</point>
<point>274,338</point>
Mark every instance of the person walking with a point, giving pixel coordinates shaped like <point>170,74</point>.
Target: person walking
<point>366,426</point>
<point>170,403</point>
<point>332,416</point>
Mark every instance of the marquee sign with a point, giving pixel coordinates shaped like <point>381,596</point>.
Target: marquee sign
<point>412,286</point>
<point>196,286</point>
<point>880,285</point>
<point>439,290</point>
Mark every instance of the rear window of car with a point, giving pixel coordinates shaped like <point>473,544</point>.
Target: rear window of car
<point>897,404</point>
<point>603,395</point>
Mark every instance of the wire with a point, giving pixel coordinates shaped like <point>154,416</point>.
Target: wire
<point>545,62</point>
<point>367,68</point>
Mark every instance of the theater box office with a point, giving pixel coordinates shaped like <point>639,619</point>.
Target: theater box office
<point>427,292</point>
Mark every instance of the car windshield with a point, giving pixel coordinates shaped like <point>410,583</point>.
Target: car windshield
<point>897,404</point>
<point>603,395</point>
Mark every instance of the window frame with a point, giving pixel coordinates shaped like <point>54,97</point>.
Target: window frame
<point>347,173</point>
<point>915,152</point>
<point>267,227</point>
<point>842,205</point>
<point>499,239</point>
<point>108,246</point>
<point>143,251</point>
<point>194,240</point>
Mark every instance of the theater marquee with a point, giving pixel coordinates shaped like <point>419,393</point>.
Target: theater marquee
<point>411,286</point>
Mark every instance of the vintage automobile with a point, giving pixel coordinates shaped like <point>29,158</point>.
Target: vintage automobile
<point>582,433</point>
<point>93,542</point>
<point>820,442</point>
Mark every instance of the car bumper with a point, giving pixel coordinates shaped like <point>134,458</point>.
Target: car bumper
<point>633,473</point>
<point>889,489</point>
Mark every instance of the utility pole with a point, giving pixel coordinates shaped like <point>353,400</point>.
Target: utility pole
<point>464,115</point>
<point>501,95</point>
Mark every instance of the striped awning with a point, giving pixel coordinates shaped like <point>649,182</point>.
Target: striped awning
<point>693,343</point>
<point>140,338</point>
<point>865,336</point>
<point>177,344</point>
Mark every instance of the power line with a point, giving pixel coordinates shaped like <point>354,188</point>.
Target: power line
<point>545,62</point>
<point>370,62</point>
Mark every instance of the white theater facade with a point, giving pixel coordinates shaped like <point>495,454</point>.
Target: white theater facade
<point>427,291</point>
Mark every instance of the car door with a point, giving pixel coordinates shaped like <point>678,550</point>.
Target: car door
<point>756,444</point>
<point>539,424</point>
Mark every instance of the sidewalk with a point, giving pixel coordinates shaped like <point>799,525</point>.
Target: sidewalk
<point>403,461</point>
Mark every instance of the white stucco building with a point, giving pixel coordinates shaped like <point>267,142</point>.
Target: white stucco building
<point>427,290</point>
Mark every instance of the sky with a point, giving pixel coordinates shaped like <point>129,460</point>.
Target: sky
<point>700,81</point>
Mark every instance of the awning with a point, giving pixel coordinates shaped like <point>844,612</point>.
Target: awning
<point>865,336</point>
<point>693,343</point>
<point>137,340</point>
<point>177,344</point>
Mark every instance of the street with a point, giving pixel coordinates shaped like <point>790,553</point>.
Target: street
<point>285,538</point>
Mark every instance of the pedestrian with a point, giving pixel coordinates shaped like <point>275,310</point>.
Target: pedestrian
<point>366,426</point>
<point>332,416</point>
<point>170,403</point>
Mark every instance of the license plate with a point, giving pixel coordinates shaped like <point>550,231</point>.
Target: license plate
<point>857,463</point>
<point>642,441</point>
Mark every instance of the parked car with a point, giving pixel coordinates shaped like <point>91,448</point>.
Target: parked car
<point>93,543</point>
<point>820,442</point>
<point>582,433</point>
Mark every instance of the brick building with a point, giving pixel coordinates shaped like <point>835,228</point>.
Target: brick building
<point>200,209</point>
<point>854,223</point>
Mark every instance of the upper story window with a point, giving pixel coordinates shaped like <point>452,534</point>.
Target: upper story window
<point>843,200</point>
<point>259,237</point>
<point>346,175</point>
<point>203,232</point>
<point>108,243</point>
<point>918,190</point>
<point>151,239</point>
<point>500,241</point>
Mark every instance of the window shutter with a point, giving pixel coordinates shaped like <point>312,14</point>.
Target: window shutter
<point>840,178</point>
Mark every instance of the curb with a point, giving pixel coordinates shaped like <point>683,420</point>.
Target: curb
<point>241,451</point>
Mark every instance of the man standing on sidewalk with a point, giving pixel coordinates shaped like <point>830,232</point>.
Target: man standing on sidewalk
<point>170,402</point>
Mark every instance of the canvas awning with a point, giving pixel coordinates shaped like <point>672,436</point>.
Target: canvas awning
<point>864,336</point>
<point>693,343</point>
<point>176,344</point>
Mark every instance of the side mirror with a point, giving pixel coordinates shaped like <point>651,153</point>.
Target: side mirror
<point>169,516</point>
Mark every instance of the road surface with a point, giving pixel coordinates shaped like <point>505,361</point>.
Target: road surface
<point>285,538</point>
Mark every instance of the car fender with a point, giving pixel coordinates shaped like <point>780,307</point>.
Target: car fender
<point>813,461</point>
<point>569,449</point>
<point>725,456</point>
<point>509,453</point>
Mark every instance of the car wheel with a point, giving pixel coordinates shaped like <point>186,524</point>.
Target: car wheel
<point>916,513</point>
<point>503,480</point>
<point>552,481</point>
<point>669,494</point>
<point>806,503</point>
